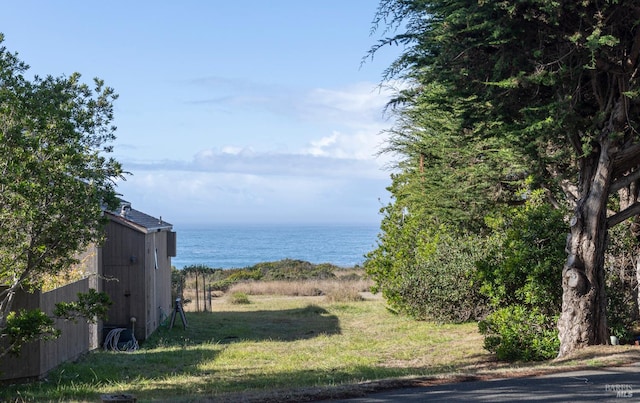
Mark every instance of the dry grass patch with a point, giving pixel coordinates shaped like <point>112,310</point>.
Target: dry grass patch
<point>343,294</point>
<point>335,290</point>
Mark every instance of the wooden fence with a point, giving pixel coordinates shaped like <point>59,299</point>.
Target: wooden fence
<point>39,357</point>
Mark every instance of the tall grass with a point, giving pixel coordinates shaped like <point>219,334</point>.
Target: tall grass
<point>333,288</point>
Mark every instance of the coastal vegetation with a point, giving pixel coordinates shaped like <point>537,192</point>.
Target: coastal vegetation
<point>289,348</point>
<point>515,181</point>
<point>198,285</point>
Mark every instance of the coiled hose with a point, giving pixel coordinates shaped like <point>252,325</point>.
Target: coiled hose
<point>111,341</point>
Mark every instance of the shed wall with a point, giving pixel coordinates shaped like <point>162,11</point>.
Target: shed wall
<point>158,288</point>
<point>123,260</point>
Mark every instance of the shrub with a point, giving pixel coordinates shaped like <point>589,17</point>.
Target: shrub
<point>621,307</point>
<point>428,273</point>
<point>235,277</point>
<point>292,269</point>
<point>521,276</point>
<point>239,298</point>
<point>25,326</point>
<point>520,333</point>
<point>525,255</point>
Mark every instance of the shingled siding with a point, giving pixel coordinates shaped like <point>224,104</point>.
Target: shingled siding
<point>39,357</point>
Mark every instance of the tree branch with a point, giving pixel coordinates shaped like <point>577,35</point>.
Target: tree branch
<point>624,181</point>
<point>621,216</point>
<point>625,160</point>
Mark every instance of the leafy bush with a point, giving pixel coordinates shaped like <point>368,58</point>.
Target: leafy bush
<point>236,276</point>
<point>440,287</point>
<point>522,277</point>
<point>27,325</point>
<point>621,309</point>
<point>239,298</point>
<point>525,256</point>
<point>90,306</point>
<point>519,332</point>
<point>395,256</point>
<point>428,273</point>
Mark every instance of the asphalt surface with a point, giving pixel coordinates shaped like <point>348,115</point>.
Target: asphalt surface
<point>616,384</point>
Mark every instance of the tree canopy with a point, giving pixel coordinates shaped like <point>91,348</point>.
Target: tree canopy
<point>55,177</point>
<point>540,89</point>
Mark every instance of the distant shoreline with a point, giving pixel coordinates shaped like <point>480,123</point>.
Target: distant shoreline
<point>359,265</point>
<point>248,225</point>
<point>241,246</point>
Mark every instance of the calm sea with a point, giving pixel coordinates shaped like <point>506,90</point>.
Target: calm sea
<point>237,246</point>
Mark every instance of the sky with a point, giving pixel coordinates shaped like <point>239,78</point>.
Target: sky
<point>243,111</point>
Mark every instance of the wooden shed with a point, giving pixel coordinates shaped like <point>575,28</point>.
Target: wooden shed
<point>136,269</point>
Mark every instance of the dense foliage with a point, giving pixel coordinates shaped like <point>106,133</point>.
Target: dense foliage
<point>54,178</point>
<point>520,277</point>
<point>517,332</point>
<point>495,92</point>
<point>427,273</point>
<point>524,252</point>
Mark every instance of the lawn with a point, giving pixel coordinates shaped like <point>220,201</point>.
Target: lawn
<point>279,348</point>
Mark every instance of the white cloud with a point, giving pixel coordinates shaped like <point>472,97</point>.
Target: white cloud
<point>355,105</point>
<point>192,198</point>
<point>233,150</point>
<point>360,106</point>
<point>357,115</point>
<point>333,173</point>
<point>358,145</point>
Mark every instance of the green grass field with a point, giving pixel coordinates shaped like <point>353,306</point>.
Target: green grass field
<point>273,349</point>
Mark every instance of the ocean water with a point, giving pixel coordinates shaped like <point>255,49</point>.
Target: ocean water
<point>238,246</point>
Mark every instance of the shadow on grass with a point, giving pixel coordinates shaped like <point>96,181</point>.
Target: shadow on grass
<point>181,352</point>
<point>102,370</point>
<point>230,326</point>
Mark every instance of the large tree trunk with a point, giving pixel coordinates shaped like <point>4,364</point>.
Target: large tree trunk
<point>583,320</point>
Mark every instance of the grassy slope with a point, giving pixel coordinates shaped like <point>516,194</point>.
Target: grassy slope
<point>282,348</point>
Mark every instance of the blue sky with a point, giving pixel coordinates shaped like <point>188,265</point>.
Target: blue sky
<point>244,111</point>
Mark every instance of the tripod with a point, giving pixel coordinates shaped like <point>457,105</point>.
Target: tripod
<point>178,309</point>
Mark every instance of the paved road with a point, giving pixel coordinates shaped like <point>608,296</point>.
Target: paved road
<point>618,384</point>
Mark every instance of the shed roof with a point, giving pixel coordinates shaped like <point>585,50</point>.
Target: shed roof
<point>137,219</point>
